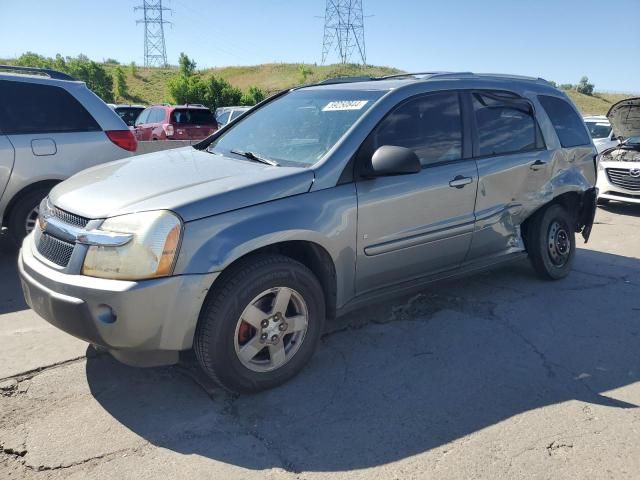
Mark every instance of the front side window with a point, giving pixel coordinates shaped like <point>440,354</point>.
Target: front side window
<point>143,117</point>
<point>430,125</point>
<point>505,124</point>
<point>34,108</point>
<point>223,118</point>
<point>567,123</point>
<point>298,128</point>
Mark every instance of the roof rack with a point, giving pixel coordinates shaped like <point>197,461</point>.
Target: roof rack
<point>410,74</point>
<point>331,81</point>
<point>38,71</point>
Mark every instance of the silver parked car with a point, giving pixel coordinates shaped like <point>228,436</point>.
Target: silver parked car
<point>51,127</point>
<point>322,199</point>
<point>226,115</point>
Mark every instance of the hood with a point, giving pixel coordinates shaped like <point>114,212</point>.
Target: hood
<point>625,117</point>
<point>190,182</point>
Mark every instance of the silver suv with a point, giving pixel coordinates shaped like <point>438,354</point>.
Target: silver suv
<point>320,200</point>
<point>51,127</point>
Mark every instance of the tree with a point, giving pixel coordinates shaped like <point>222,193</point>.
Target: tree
<point>252,96</point>
<point>120,88</point>
<point>584,86</point>
<point>187,66</point>
<point>187,89</point>
<point>80,67</point>
<point>221,93</point>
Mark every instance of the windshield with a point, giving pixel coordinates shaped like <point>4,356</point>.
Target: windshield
<point>299,127</point>
<point>599,129</point>
<point>192,116</point>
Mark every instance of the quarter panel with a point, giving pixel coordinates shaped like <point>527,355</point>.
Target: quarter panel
<point>327,218</point>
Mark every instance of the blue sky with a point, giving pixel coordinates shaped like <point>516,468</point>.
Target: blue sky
<point>559,40</point>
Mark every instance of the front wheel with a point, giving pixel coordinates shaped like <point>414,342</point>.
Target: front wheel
<point>551,242</point>
<point>261,325</point>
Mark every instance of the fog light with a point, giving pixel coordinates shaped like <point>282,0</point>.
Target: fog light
<point>105,314</point>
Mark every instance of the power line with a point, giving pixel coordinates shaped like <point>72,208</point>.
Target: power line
<point>155,51</point>
<point>344,30</point>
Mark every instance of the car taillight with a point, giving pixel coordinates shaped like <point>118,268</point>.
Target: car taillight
<point>168,129</point>
<point>123,138</point>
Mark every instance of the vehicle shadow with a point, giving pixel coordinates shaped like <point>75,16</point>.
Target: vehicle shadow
<point>396,380</point>
<point>11,298</point>
<point>620,208</point>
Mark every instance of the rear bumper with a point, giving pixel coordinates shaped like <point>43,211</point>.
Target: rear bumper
<point>128,318</point>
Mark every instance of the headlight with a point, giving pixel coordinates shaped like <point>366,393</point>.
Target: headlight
<point>150,253</point>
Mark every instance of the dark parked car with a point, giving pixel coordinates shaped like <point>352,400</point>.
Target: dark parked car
<point>175,122</point>
<point>128,113</point>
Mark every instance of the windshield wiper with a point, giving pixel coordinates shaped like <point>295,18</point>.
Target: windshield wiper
<point>256,158</point>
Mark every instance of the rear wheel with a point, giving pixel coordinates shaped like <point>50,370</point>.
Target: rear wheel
<point>551,242</point>
<point>24,214</point>
<point>262,325</point>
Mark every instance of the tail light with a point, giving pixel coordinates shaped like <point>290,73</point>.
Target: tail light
<point>168,129</point>
<point>123,138</point>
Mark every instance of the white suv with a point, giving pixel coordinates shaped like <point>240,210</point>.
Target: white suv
<point>51,126</point>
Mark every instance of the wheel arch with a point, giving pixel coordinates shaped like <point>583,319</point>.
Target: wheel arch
<point>41,184</point>
<point>311,254</point>
<point>581,202</point>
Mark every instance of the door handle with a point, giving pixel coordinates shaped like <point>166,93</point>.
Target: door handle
<point>537,165</point>
<point>459,181</point>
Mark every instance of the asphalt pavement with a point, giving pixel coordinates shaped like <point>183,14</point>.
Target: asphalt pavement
<point>496,376</point>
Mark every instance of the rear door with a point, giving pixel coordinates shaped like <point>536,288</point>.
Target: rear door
<point>417,224</point>
<point>513,166</point>
<point>6,161</point>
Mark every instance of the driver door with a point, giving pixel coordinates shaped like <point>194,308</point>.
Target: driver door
<point>416,224</point>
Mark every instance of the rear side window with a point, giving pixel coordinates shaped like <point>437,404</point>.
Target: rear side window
<point>223,118</point>
<point>34,108</point>
<point>192,116</point>
<point>505,124</point>
<point>236,114</point>
<point>568,124</point>
<point>430,125</point>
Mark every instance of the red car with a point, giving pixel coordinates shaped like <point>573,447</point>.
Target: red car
<point>175,122</point>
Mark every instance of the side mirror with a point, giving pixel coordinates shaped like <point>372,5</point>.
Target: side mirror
<point>392,160</point>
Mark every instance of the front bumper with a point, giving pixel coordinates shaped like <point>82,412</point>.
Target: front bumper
<point>609,190</point>
<point>130,319</point>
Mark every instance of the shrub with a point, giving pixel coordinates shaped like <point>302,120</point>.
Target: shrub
<point>584,86</point>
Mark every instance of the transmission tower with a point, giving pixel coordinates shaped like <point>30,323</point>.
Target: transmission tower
<point>155,52</point>
<point>344,30</point>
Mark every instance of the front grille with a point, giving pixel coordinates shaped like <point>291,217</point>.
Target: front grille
<point>70,218</point>
<point>53,249</point>
<point>620,177</point>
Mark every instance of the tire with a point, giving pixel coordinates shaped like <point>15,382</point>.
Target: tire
<point>225,343</point>
<point>551,242</point>
<point>22,210</point>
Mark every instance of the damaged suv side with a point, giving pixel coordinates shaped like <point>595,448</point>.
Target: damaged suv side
<point>319,200</point>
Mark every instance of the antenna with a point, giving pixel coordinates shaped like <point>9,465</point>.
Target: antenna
<point>344,30</point>
<point>155,52</point>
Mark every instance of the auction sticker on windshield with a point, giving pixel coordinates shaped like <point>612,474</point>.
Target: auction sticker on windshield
<point>345,105</point>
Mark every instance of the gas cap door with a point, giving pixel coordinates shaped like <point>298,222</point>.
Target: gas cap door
<point>43,146</point>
